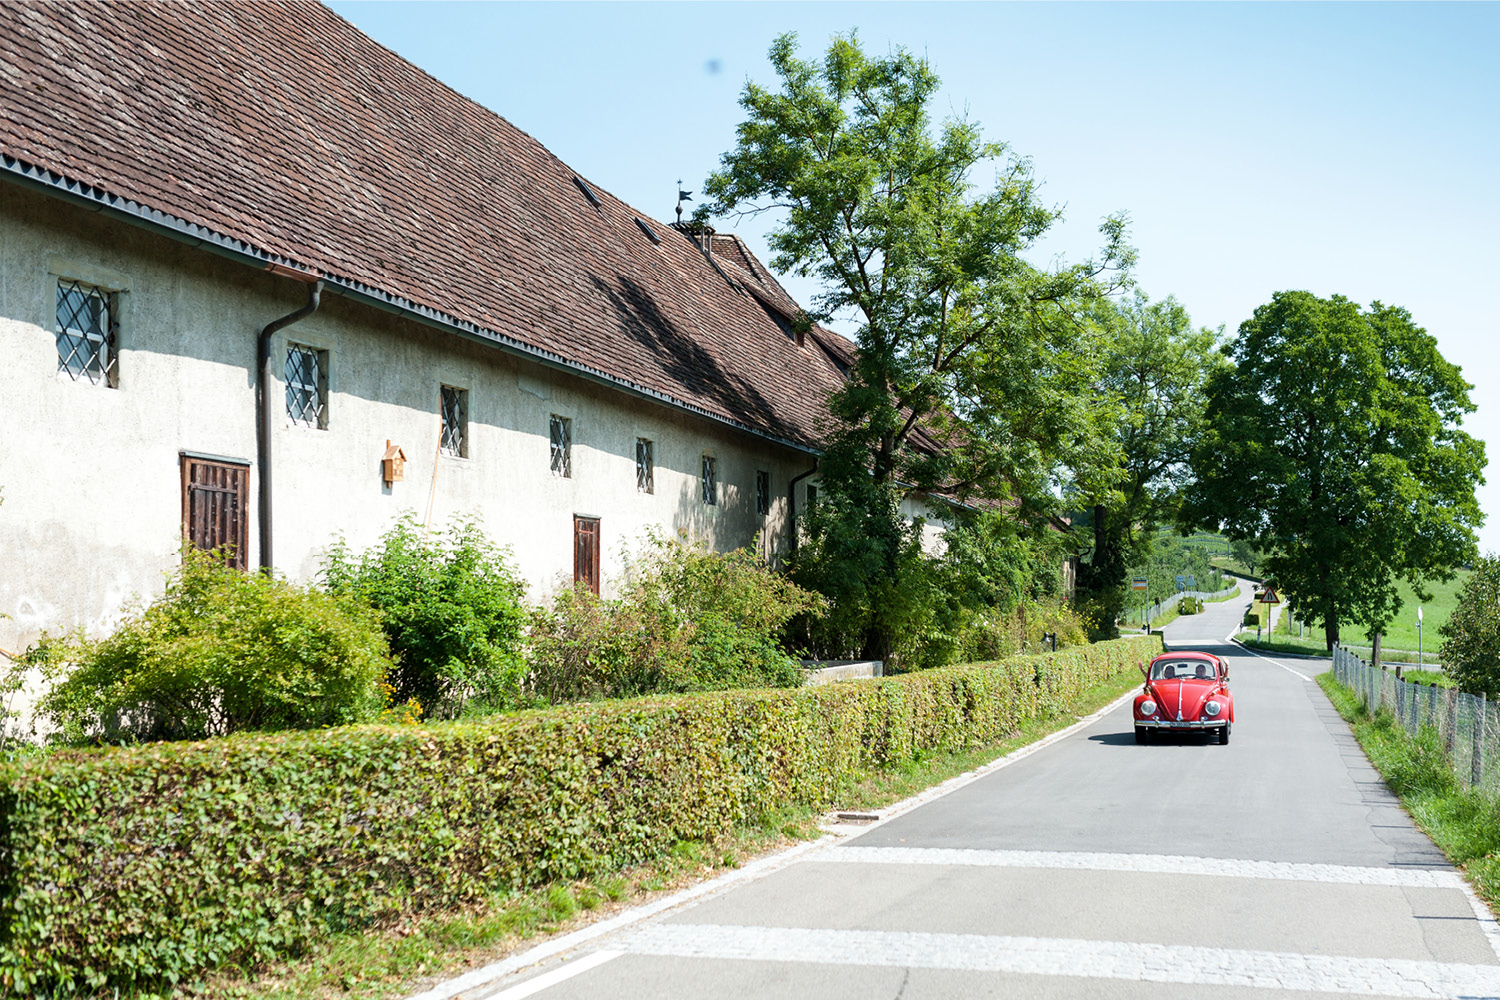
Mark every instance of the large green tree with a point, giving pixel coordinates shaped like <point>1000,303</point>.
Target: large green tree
<point>974,377</point>
<point>1156,367</point>
<point>1334,444</point>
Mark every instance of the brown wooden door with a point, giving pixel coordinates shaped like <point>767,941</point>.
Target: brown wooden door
<point>586,551</point>
<point>214,504</point>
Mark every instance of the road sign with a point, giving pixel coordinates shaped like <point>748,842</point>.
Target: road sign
<point>1181,582</point>
<point>1138,583</point>
<point>1270,597</point>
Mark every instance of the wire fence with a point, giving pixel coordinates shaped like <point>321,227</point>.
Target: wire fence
<point>1468,726</point>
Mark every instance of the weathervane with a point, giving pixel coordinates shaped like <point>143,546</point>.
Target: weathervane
<point>682,196</point>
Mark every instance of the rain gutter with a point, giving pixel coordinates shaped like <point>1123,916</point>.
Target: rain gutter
<point>264,419</point>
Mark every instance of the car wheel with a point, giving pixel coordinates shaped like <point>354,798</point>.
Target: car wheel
<point>1142,734</point>
<point>1224,734</point>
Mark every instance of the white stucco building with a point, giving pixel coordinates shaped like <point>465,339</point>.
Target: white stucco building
<point>200,201</point>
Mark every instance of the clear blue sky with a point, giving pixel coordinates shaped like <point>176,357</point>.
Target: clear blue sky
<point>1341,148</point>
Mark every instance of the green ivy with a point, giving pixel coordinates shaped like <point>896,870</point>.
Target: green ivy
<point>139,867</point>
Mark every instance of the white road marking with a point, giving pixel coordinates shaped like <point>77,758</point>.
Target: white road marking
<point>1231,640</point>
<point>1132,961</point>
<point>549,979</point>
<point>1162,864</point>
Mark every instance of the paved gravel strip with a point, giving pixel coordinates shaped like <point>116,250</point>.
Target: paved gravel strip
<point>1165,864</point>
<point>1068,957</point>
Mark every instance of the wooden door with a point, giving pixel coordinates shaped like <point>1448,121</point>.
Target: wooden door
<point>214,504</point>
<point>586,551</point>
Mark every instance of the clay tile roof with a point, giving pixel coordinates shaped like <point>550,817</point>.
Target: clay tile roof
<point>283,127</point>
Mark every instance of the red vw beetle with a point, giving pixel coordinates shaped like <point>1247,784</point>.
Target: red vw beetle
<point>1185,692</point>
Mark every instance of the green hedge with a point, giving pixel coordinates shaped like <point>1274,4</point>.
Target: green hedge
<point>138,867</point>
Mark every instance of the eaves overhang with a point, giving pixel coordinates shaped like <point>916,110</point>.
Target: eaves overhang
<point>151,219</point>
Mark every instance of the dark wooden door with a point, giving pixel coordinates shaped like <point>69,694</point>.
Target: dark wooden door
<point>214,503</point>
<point>586,551</point>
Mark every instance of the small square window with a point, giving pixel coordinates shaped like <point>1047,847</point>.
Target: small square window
<point>454,404</point>
<point>87,329</point>
<point>562,446</point>
<point>645,467</point>
<point>762,492</point>
<point>307,386</point>
<point>710,482</point>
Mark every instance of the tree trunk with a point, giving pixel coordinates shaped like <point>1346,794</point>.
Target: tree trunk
<point>1330,629</point>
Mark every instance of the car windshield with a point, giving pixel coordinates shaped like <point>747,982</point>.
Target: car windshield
<point>1169,670</point>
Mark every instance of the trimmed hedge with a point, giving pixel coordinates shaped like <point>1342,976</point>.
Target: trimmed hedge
<point>142,866</point>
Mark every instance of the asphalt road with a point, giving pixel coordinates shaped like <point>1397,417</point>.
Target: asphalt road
<point>1278,865</point>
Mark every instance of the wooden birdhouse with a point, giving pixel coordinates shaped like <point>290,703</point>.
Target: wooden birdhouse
<point>393,465</point>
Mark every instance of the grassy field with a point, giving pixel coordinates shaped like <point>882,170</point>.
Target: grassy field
<point>1402,633</point>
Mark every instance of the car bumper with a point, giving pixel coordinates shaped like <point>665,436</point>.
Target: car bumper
<point>1184,725</point>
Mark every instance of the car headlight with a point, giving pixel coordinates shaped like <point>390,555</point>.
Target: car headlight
<point>1148,707</point>
<point>1211,709</point>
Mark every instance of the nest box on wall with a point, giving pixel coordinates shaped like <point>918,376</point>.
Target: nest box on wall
<point>393,465</point>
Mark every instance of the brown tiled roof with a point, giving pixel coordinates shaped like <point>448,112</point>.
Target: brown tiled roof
<point>283,127</point>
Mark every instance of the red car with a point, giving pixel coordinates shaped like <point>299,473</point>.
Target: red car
<point>1185,692</point>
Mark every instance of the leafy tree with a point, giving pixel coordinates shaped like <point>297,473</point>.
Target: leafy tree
<point>1156,368</point>
<point>1334,445</point>
<point>974,376</point>
<point>1471,635</point>
<point>452,609</point>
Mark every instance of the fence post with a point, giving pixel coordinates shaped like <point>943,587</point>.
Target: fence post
<point>1450,727</point>
<point>1477,770</point>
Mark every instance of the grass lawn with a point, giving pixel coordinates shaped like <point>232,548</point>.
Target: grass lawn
<point>1230,564</point>
<point>1402,633</point>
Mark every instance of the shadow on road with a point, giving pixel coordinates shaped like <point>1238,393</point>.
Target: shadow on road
<point>1114,739</point>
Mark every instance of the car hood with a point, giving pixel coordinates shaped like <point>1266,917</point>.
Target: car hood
<point>1189,692</point>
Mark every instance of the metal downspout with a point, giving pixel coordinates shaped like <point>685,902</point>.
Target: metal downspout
<point>264,410</point>
<point>791,501</point>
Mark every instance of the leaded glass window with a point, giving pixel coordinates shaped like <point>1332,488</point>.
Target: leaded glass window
<point>307,386</point>
<point>710,481</point>
<point>454,404</point>
<point>86,333</point>
<point>562,446</point>
<point>645,466</point>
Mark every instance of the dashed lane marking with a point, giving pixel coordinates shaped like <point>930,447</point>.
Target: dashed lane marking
<point>1161,864</point>
<point>1117,960</point>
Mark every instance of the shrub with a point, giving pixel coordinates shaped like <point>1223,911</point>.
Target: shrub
<point>687,620</point>
<point>219,652</point>
<point>137,867</point>
<point>452,610</point>
<point>1188,606</point>
<point>990,635</point>
<point>1471,635</point>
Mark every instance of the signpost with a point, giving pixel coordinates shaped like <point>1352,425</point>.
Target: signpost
<point>1141,583</point>
<point>1419,637</point>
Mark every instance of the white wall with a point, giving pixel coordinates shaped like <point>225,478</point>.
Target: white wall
<point>90,475</point>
